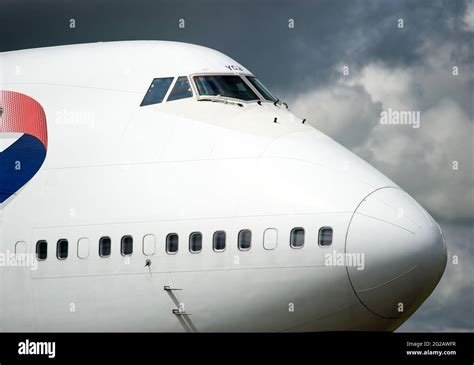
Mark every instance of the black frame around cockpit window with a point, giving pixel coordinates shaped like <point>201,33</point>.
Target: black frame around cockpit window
<point>260,97</point>
<point>178,92</point>
<point>262,89</point>
<point>225,86</point>
<point>157,91</point>
<point>166,86</point>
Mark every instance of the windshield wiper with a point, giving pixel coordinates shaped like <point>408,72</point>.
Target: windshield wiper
<point>278,102</point>
<point>219,99</point>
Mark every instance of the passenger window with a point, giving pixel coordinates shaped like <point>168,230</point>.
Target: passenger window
<point>126,245</point>
<point>62,248</point>
<point>325,236</point>
<point>83,248</point>
<point>172,243</point>
<point>41,250</point>
<point>181,89</point>
<point>149,244</point>
<point>218,241</point>
<point>157,91</point>
<point>20,248</point>
<point>105,246</point>
<point>195,242</point>
<point>245,239</point>
<point>270,239</point>
<point>297,237</point>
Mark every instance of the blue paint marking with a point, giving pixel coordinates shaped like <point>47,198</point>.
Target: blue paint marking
<point>19,163</point>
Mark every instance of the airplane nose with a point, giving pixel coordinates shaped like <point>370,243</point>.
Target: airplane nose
<point>402,250</point>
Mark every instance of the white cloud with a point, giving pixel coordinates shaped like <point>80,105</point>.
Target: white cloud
<point>344,112</point>
<point>422,160</point>
<point>391,87</point>
<point>469,17</point>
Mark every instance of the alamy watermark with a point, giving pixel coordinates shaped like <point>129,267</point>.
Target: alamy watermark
<point>28,347</point>
<point>75,117</point>
<point>400,117</point>
<point>354,259</point>
<point>11,259</point>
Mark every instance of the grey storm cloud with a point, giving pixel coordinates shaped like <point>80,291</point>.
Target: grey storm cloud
<point>433,162</point>
<point>404,69</point>
<point>255,33</point>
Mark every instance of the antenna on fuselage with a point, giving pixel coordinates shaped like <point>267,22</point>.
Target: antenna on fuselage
<point>148,264</point>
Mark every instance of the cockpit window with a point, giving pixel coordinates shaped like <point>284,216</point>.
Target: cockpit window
<point>229,86</point>
<point>181,89</point>
<point>157,91</point>
<point>261,89</point>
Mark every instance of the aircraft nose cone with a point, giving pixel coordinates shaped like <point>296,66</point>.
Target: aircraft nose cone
<point>403,251</point>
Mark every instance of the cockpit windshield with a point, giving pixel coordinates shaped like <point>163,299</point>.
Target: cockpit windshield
<point>230,86</point>
<point>261,89</point>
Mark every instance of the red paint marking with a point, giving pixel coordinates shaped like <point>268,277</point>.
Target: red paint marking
<point>22,114</point>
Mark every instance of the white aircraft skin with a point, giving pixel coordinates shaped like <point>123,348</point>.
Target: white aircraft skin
<point>115,168</point>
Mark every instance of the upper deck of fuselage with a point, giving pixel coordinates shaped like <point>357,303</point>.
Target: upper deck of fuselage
<point>118,74</point>
<point>109,81</point>
<point>125,65</point>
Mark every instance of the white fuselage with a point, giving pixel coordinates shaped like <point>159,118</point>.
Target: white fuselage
<point>114,168</point>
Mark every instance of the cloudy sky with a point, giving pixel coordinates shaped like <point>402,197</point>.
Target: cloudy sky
<point>340,66</point>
